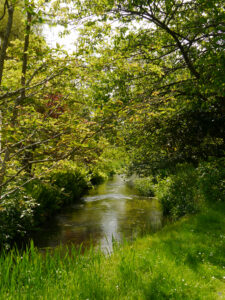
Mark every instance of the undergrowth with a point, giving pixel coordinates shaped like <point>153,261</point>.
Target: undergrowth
<point>186,189</point>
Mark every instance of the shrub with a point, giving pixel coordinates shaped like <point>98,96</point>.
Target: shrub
<point>145,186</point>
<point>16,217</point>
<point>211,180</point>
<point>185,191</point>
<point>178,193</point>
<point>72,182</point>
<point>48,197</point>
<point>97,177</point>
<point>65,185</point>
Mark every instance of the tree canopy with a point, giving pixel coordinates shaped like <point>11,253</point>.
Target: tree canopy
<point>148,75</point>
<point>165,60</point>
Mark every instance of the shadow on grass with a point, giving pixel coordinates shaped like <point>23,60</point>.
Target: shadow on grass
<point>199,242</point>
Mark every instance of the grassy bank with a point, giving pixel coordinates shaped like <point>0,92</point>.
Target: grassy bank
<point>185,260</point>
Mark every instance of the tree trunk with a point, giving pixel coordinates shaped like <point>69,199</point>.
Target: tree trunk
<point>6,39</point>
<point>2,60</point>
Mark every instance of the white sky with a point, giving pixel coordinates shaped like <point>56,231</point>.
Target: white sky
<point>52,37</point>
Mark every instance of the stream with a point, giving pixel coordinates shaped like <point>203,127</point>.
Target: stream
<point>111,211</point>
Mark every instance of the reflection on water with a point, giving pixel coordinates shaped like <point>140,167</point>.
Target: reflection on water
<point>109,212</point>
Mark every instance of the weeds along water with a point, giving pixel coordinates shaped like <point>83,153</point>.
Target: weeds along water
<point>185,260</point>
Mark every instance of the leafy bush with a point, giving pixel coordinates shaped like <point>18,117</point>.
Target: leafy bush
<point>185,191</point>
<point>211,180</point>
<point>145,186</point>
<point>72,181</point>
<point>16,217</point>
<point>178,193</point>
<point>98,177</point>
<point>48,197</point>
<point>64,185</point>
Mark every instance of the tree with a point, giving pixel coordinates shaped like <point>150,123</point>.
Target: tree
<point>30,71</point>
<point>46,117</point>
<point>167,58</point>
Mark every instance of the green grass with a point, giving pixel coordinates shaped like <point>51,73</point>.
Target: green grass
<point>185,260</point>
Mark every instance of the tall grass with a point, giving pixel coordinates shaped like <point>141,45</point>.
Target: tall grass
<point>185,260</point>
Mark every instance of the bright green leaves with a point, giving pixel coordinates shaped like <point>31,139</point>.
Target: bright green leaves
<point>164,61</point>
<point>146,73</point>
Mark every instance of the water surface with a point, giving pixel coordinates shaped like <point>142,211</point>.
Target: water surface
<point>111,211</point>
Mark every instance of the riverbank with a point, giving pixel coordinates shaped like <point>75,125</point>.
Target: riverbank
<point>185,260</point>
<point>24,212</point>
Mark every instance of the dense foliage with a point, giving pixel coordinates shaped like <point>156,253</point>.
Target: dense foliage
<point>146,76</point>
<point>165,62</point>
<point>143,92</point>
<point>187,189</point>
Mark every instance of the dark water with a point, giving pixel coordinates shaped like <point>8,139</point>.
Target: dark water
<point>112,211</point>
